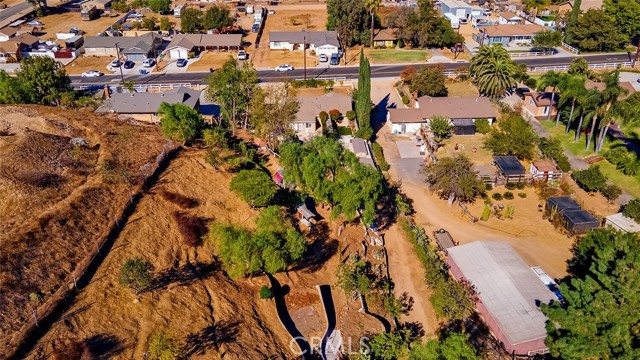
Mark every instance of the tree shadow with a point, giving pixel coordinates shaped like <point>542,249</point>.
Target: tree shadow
<point>322,248</point>
<point>279,294</point>
<point>210,337</point>
<point>104,346</point>
<point>416,329</point>
<point>184,275</point>
<point>379,115</point>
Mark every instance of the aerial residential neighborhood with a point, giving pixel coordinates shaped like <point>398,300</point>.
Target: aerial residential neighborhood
<point>319,179</point>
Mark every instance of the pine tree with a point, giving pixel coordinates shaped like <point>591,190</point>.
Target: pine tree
<point>363,99</point>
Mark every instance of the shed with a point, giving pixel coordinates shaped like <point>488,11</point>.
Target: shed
<point>75,42</point>
<point>544,170</point>
<point>579,221</point>
<point>620,222</point>
<point>464,126</point>
<point>510,168</point>
<point>561,204</point>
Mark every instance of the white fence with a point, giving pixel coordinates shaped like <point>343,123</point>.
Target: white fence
<point>570,48</point>
<point>591,66</point>
<point>532,53</point>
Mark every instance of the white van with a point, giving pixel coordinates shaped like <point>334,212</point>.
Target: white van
<point>455,22</point>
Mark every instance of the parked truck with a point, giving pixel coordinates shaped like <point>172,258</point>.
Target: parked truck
<point>455,21</point>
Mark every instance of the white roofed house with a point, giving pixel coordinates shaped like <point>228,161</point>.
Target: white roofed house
<point>182,44</point>
<point>321,42</point>
<point>307,123</point>
<point>463,111</point>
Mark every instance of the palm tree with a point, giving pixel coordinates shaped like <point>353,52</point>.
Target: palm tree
<point>587,105</point>
<point>571,88</point>
<point>610,94</point>
<point>538,4</point>
<point>372,6</point>
<point>493,70</point>
<point>553,79</point>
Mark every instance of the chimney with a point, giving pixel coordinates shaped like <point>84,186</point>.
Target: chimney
<point>107,94</point>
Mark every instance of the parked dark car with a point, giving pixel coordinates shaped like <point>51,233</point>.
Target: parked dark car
<point>521,91</point>
<point>129,64</point>
<point>181,62</point>
<point>335,60</point>
<point>255,28</point>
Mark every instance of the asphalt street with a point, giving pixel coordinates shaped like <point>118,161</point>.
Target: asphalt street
<point>8,12</point>
<point>349,72</point>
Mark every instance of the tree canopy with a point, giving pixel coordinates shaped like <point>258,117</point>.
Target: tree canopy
<point>453,177</point>
<point>363,98</point>
<point>599,316</point>
<point>43,79</point>
<point>180,122</point>
<point>512,135</point>
<point>136,274</point>
<point>272,247</point>
<point>159,6</point>
<point>627,17</point>
<point>596,31</point>
<point>324,169</point>
<point>217,17</point>
<point>590,179</point>
<point>349,18</point>
<point>454,346</point>
<point>190,20</point>
<point>440,127</point>
<point>273,109</point>
<point>254,186</point>
<point>632,210</point>
<point>492,70</point>
<point>547,39</point>
<point>429,81</point>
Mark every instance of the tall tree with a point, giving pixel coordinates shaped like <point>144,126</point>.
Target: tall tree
<point>363,98</point>
<point>547,40</point>
<point>190,20</point>
<point>159,6</point>
<point>430,29</point>
<point>372,6</point>
<point>535,4</point>
<point>273,109</point>
<point>587,107</point>
<point>43,79</point>
<point>627,15</point>
<point>596,31</point>
<point>400,19</point>
<point>571,88</point>
<point>551,79</point>
<point>610,95</point>
<point>180,122</point>
<point>572,21</point>
<point>349,19</point>
<point>430,81</point>
<point>11,91</point>
<point>579,66</point>
<point>217,17</point>
<point>453,346</point>
<point>232,88</point>
<point>454,178</point>
<point>493,70</point>
<point>512,136</point>
<point>599,316</point>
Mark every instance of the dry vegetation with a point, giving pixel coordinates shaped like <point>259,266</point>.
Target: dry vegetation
<point>59,199</point>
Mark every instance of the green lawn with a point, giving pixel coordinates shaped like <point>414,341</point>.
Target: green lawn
<point>630,184</point>
<point>392,56</point>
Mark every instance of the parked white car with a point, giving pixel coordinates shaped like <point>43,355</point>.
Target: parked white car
<point>242,55</point>
<point>148,63</point>
<point>284,67</point>
<point>92,73</point>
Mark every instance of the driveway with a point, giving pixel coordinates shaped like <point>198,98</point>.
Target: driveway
<point>632,78</point>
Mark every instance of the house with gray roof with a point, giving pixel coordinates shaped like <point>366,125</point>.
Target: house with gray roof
<point>321,42</point>
<point>509,293</point>
<point>182,44</point>
<point>135,48</point>
<point>144,106</point>
<point>307,123</point>
<point>462,111</point>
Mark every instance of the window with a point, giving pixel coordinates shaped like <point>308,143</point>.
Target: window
<point>308,125</point>
<point>545,110</point>
<point>277,43</point>
<point>530,101</point>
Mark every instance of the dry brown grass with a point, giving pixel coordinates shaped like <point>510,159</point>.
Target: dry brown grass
<point>46,232</point>
<point>64,21</point>
<point>190,227</point>
<point>182,201</point>
<point>85,63</point>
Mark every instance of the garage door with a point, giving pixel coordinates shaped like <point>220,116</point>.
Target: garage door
<point>179,54</point>
<point>461,13</point>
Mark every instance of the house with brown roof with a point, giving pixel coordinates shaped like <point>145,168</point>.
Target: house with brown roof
<point>13,49</point>
<point>386,38</point>
<point>539,104</point>
<point>508,17</point>
<point>7,33</point>
<point>507,33</point>
<point>307,123</point>
<point>462,111</point>
<point>182,44</point>
<point>600,87</point>
<point>545,170</point>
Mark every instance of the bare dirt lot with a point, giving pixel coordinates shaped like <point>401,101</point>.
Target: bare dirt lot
<point>62,22</point>
<point>84,63</point>
<point>60,199</point>
<point>211,315</point>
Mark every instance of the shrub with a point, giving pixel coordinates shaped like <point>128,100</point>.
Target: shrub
<point>611,192</point>
<point>323,117</point>
<point>632,210</point>
<point>351,115</point>
<point>590,179</point>
<point>163,346</point>
<point>510,186</point>
<point>135,273</point>
<point>265,292</point>
<point>182,201</point>
<point>482,126</point>
<point>520,185</point>
<point>334,114</point>
<point>405,99</point>
<point>616,155</point>
<point>522,195</point>
<point>216,137</point>
<point>508,195</point>
<point>344,131</point>
<point>190,227</point>
<point>403,204</point>
<point>488,186</point>
<point>378,154</point>
<point>254,186</point>
<point>497,196</point>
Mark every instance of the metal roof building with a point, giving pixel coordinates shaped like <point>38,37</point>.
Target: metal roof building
<point>509,293</point>
<point>622,223</point>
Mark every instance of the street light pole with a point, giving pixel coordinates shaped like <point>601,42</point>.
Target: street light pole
<point>304,50</point>
<point>118,58</point>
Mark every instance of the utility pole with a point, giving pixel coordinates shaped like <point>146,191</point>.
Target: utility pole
<point>121,65</point>
<point>304,51</point>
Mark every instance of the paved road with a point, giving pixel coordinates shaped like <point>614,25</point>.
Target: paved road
<point>11,11</point>
<point>341,71</point>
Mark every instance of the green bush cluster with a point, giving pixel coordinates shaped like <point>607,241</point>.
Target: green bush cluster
<point>522,195</point>
<point>344,131</point>
<point>508,195</point>
<point>265,292</point>
<point>405,99</point>
<point>497,196</point>
<point>482,126</point>
<point>590,179</point>
<point>310,83</point>
<point>378,154</point>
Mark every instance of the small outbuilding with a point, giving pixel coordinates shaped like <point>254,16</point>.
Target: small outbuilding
<point>620,222</point>
<point>510,168</point>
<point>579,221</point>
<point>560,204</point>
<point>304,215</point>
<point>545,170</point>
